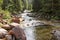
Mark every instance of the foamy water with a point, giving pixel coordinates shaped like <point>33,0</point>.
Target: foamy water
<point>28,25</point>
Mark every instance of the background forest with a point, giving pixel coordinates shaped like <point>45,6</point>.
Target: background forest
<point>45,9</point>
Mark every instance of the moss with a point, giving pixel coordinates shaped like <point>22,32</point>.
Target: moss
<point>44,33</point>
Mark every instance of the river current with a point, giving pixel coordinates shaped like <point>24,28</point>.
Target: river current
<point>29,24</point>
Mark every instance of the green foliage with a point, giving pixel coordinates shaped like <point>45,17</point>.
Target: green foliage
<point>30,7</point>
<point>16,5</point>
<point>11,5</point>
<point>1,1</point>
<point>36,5</point>
<point>6,14</point>
<point>47,9</point>
<point>26,4</point>
<point>21,5</point>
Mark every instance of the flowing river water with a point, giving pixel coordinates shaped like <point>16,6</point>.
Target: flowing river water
<point>29,24</point>
<point>32,31</point>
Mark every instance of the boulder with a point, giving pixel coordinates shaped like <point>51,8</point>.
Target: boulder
<point>15,19</point>
<point>18,33</point>
<point>3,39</point>
<point>9,37</point>
<point>6,26</point>
<point>3,32</point>
<point>10,26</point>
<point>56,34</point>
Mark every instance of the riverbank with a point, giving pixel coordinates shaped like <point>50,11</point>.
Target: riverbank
<point>52,23</point>
<point>44,32</point>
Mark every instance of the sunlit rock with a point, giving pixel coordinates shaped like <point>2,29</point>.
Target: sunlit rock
<point>3,32</point>
<point>3,39</point>
<point>14,24</point>
<point>6,26</point>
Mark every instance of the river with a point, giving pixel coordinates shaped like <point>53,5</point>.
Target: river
<point>32,29</point>
<point>28,24</point>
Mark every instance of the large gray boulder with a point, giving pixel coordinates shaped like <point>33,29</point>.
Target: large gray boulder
<point>56,34</point>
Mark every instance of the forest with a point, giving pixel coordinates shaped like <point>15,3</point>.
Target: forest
<point>30,19</point>
<point>45,9</point>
